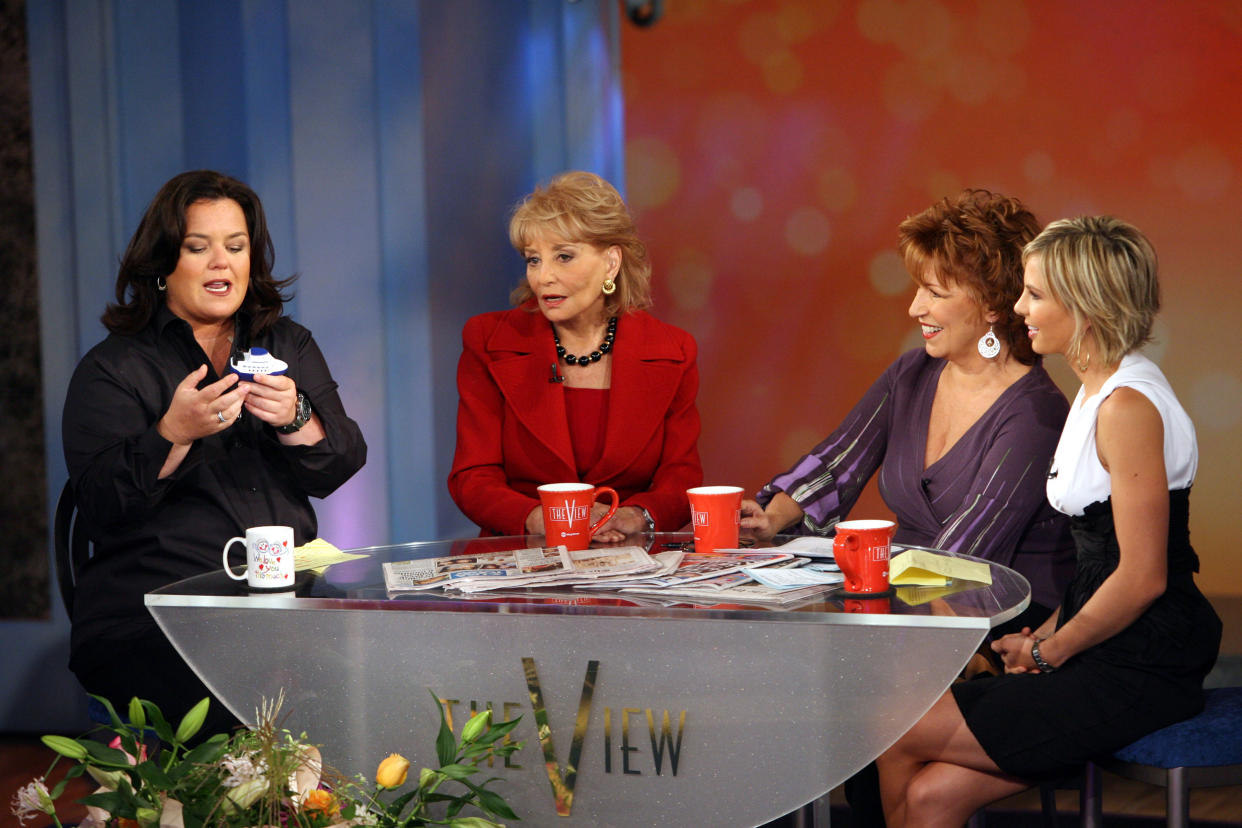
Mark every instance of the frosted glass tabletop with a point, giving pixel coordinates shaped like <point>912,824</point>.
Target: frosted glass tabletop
<point>709,714</point>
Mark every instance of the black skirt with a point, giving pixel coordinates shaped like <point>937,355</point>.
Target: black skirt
<point>1047,725</point>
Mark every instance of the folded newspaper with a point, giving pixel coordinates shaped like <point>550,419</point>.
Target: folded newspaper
<point>719,569</point>
<point>537,566</point>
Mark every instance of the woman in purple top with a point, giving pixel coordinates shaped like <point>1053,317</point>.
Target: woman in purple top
<point>962,431</point>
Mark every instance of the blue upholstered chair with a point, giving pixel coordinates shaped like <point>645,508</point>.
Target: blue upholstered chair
<point>1201,752</point>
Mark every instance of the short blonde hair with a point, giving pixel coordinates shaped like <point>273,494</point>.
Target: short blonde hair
<point>582,207</point>
<point>1103,271</point>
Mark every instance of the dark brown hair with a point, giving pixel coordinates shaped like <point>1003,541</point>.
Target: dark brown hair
<point>975,240</point>
<point>155,248</point>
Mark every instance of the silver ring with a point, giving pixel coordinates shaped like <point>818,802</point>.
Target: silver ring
<point>220,417</point>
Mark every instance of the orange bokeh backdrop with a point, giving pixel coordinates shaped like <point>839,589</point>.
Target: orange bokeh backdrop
<point>774,145</point>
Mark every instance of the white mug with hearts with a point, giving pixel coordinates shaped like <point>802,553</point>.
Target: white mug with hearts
<point>269,557</point>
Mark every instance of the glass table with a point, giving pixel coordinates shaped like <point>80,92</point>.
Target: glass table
<point>722,715</point>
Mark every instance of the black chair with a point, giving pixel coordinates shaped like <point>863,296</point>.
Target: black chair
<point>73,547</point>
<point>73,550</point>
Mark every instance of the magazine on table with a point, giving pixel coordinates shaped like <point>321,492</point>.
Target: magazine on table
<point>540,566</point>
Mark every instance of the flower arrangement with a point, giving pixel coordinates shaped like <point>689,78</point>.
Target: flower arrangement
<point>151,775</point>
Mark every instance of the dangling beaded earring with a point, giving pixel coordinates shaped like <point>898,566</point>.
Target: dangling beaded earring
<point>989,344</point>
<point>160,283</point>
<point>610,287</point>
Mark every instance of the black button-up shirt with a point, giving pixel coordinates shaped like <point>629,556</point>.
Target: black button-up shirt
<point>150,532</point>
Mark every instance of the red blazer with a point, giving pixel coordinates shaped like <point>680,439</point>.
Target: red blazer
<point>513,432</point>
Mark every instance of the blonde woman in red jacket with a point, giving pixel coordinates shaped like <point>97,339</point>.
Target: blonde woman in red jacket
<point>577,382</point>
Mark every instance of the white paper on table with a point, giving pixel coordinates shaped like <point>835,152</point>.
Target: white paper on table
<point>792,578</point>
<point>810,546</point>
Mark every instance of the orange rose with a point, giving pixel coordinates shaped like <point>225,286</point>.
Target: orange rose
<point>391,772</point>
<point>321,801</point>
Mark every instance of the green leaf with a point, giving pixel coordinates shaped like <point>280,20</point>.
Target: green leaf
<point>110,801</point>
<point>403,800</point>
<point>193,721</point>
<point>472,822</point>
<point>446,745</point>
<point>67,747</point>
<point>456,771</point>
<point>117,724</point>
<point>157,722</point>
<point>210,751</point>
<point>494,803</point>
<point>154,775</point>
<point>106,757</point>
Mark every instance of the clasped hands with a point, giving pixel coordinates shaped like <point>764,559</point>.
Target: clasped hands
<point>627,521</point>
<point>1015,651</point>
<point>199,412</point>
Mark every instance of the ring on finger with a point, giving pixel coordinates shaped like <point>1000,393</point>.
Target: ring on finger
<point>220,417</point>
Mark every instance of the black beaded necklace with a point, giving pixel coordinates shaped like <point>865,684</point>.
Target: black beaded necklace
<point>594,356</point>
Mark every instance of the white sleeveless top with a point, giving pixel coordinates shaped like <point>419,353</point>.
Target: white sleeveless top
<point>1077,479</point>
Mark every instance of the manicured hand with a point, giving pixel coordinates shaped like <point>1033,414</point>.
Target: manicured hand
<point>1015,651</point>
<point>272,399</point>
<point>198,412</point>
<point>627,521</point>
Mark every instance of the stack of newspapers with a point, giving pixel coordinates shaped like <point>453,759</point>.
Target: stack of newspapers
<point>671,576</point>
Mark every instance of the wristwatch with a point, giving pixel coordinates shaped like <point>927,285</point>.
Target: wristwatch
<point>1044,667</point>
<point>300,418</point>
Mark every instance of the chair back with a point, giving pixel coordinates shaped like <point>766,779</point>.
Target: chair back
<point>73,547</point>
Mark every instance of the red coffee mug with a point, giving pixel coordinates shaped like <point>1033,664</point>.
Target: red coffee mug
<point>567,513</point>
<point>861,548</point>
<point>716,512</point>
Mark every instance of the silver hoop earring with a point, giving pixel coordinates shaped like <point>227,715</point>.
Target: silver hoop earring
<point>1082,363</point>
<point>160,283</point>
<point>989,344</point>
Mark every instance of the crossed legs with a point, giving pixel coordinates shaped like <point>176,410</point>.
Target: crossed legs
<point>937,774</point>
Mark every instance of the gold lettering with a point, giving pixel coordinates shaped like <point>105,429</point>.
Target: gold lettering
<point>508,708</point>
<point>562,782</point>
<point>666,739</point>
<point>607,740</point>
<point>626,712</point>
<point>448,712</point>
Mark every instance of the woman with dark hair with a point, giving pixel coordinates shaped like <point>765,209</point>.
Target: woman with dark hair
<point>1127,650</point>
<point>961,430</point>
<point>170,453</point>
<point>577,382</point>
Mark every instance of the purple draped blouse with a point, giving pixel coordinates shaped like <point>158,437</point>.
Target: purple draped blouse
<point>984,497</point>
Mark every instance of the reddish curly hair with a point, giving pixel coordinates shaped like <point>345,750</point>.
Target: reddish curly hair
<point>975,240</point>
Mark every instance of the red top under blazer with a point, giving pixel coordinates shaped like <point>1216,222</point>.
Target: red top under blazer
<point>513,432</point>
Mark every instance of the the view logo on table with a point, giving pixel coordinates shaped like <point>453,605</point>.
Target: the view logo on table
<point>567,513</point>
<point>862,549</point>
<point>716,512</point>
<point>269,557</point>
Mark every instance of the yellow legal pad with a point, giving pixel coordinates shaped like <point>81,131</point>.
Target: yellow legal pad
<point>916,567</point>
<point>319,555</point>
